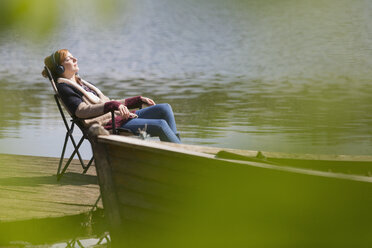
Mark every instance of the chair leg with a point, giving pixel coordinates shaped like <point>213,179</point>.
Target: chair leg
<point>95,206</point>
<point>88,165</point>
<point>68,134</point>
<point>70,159</point>
<point>77,151</point>
<point>62,154</point>
<point>79,243</point>
<point>74,144</point>
<point>105,236</point>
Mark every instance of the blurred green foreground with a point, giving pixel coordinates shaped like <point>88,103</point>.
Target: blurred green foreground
<point>158,197</point>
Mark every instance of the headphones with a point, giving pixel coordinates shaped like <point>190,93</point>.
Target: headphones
<point>59,68</point>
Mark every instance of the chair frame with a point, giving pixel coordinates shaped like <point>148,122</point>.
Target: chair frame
<point>69,131</point>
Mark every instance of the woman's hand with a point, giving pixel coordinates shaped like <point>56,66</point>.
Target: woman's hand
<point>118,106</point>
<point>133,115</point>
<point>124,112</point>
<point>147,100</point>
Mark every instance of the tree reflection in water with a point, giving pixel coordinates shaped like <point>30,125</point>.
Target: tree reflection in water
<point>317,116</point>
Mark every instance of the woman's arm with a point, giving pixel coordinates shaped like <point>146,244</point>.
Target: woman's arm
<point>147,101</point>
<point>136,102</point>
<point>89,111</point>
<point>132,102</point>
<point>85,110</point>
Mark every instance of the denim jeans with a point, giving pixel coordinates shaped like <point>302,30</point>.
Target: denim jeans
<point>159,120</point>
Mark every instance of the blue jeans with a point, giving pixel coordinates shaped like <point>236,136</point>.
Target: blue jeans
<point>159,120</point>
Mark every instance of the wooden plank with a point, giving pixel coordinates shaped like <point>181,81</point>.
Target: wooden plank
<point>139,184</point>
<point>29,188</point>
<point>356,167</point>
<point>107,188</point>
<point>158,147</point>
<point>136,150</point>
<point>276,155</point>
<point>364,161</point>
<point>173,161</point>
<point>151,173</point>
<point>148,202</point>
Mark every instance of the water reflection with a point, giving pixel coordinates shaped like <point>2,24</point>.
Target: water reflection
<point>305,116</point>
<point>261,75</point>
<point>20,104</point>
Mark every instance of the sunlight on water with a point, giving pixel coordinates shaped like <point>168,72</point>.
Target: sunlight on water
<point>260,75</point>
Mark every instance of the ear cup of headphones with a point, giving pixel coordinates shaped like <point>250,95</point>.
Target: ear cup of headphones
<point>60,69</point>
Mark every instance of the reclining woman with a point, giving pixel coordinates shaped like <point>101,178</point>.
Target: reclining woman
<point>84,100</point>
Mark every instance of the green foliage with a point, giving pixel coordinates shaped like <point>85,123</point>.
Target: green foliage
<point>30,17</point>
<point>37,18</point>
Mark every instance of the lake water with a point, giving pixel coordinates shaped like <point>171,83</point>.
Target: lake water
<point>272,75</point>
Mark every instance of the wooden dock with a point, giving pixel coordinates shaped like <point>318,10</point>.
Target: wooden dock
<point>29,189</point>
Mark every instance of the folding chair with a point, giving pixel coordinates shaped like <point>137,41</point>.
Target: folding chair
<point>69,131</point>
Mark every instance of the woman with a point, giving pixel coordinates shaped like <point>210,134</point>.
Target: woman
<point>86,101</point>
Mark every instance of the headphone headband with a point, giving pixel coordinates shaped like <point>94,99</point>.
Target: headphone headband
<point>53,58</point>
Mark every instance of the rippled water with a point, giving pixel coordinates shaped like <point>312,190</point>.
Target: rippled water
<point>274,75</point>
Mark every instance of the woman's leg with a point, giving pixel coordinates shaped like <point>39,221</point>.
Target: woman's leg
<point>160,111</point>
<point>155,127</point>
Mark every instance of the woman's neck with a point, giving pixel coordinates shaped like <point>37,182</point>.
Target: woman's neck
<point>73,78</point>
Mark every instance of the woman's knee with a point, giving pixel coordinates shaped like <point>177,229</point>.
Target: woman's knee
<point>161,123</point>
<point>158,125</point>
<point>158,128</point>
<point>165,107</point>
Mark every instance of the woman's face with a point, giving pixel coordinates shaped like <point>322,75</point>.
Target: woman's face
<point>70,64</point>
